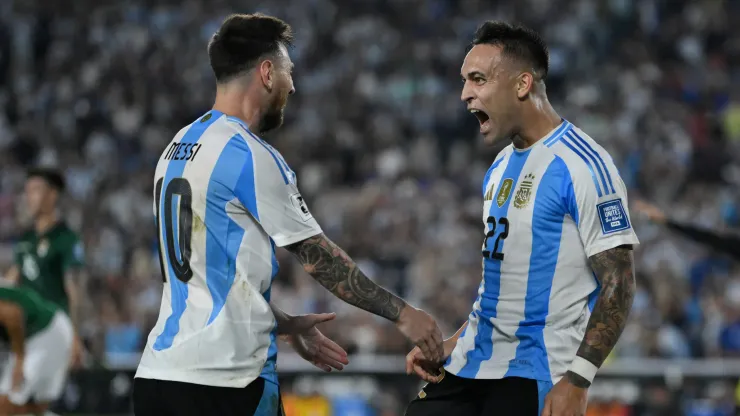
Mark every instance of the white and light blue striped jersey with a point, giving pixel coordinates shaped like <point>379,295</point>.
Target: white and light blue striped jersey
<point>223,200</point>
<point>546,210</point>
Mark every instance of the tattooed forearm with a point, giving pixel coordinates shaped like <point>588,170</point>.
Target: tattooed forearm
<point>614,269</point>
<point>333,268</point>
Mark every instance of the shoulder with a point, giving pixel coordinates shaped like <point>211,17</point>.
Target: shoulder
<point>587,162</point>
<point>26,235</point>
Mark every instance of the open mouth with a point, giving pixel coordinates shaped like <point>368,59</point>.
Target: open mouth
<point>483,119</point>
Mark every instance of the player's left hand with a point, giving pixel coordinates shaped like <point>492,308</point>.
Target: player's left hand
<point>565,399</point>
<point>312,345</point>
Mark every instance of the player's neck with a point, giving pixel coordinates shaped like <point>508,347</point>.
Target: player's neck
<point>539,123</point>
<point>233,100</point>
<point>45,222</point>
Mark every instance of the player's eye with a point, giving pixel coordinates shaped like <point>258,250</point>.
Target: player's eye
<point>479,80</point>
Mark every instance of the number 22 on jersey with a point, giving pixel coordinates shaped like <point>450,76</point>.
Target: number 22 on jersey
<point>493,226</point>
<point>179,260</point>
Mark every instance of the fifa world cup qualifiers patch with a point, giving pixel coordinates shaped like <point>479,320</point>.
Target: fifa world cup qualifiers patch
<point>613,216</point>
<point>300,205</point>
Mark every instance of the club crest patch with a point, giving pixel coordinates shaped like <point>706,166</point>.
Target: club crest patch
<point>613,216</point>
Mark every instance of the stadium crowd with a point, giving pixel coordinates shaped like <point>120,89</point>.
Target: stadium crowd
<point>387,157</point>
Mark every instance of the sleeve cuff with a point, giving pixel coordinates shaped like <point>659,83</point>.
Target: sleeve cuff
<point>611,243</point>
<point>286,240</point>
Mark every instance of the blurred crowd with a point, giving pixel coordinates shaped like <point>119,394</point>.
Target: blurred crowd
<point>387,157</point>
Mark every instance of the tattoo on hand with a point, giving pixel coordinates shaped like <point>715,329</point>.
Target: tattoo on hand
<point>333,268</point>
<point>577,380</point>
<point>614,269</point>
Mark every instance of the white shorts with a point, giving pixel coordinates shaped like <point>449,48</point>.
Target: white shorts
<point>45,369</point>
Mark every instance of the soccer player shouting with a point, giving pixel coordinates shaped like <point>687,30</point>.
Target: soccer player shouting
<point>558,278</point>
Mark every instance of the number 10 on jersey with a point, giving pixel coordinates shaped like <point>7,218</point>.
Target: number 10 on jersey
<point>180,262</point>
<point>502,225</point>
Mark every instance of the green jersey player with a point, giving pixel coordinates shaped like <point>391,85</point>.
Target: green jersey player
<point>41,339</point>
<point>48,256</point>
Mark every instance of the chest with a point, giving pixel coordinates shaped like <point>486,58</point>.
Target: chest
<point>522,202</point>
<point>38,256</point>
<point>522,193</point>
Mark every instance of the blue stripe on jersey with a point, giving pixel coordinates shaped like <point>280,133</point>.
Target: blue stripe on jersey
<point>488,174</point>
<point>565,141</point>
<point>547,229</point>
<point>598,156</point>
<point>282,166</point>
<point>269,371</point>
<point>565,127</point>
<point>269,404</point>
<point>574,137</point>
<point>178,289</point>
<point>569,193</point>
<point>492,274</point>
<point>223,235</point>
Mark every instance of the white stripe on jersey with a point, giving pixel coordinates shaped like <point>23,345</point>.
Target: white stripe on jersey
<point>546,209</point>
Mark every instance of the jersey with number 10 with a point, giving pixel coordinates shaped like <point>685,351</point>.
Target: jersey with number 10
<point>546,210</point>
<point>223,199</point>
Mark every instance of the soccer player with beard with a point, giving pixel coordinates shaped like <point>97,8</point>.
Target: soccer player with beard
<point>558,278</point>
<point>223,199</point>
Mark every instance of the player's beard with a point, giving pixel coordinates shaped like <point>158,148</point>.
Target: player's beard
<point>274,116</point>
<point>272,120</point>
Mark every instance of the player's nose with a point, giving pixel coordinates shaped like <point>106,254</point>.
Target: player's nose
<point>467,95</point>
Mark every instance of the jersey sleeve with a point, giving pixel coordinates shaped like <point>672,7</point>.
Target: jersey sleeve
<point>73,255</point>
<point>267,188</point>
<point>596,199</point>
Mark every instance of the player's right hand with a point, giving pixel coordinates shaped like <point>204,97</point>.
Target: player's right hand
<point>427,370</point>
<point>421,329</point>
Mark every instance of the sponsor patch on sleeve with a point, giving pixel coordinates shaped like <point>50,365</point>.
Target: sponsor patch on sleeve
<point>613,216</point>
<point>300,205</point>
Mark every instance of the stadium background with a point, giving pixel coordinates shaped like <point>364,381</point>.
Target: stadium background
<point>391,165</point>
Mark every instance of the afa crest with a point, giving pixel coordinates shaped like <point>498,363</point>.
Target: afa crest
<point>521,199</point>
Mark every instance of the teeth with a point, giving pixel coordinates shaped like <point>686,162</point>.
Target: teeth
<point>474,111</point>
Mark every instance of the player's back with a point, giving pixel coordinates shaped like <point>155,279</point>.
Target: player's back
<point>215,325</point>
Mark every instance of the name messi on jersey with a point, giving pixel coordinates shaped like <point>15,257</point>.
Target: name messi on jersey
<point>182,151</point>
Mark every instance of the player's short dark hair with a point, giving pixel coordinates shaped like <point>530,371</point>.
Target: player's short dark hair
<point>53,177</point>
<point>242,40</point>
<point>518,42</point>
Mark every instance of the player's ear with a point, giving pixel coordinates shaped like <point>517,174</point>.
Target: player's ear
<point>267,73</point>
<point>524,84</point>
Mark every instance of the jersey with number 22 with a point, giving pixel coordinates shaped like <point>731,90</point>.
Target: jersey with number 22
<point>546,210</point>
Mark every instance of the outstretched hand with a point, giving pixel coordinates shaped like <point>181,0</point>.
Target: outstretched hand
<point>312,345</point>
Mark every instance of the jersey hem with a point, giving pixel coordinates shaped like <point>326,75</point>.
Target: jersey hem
<point>503,371</point>
<point>288,240</point>
<point>203,378</point>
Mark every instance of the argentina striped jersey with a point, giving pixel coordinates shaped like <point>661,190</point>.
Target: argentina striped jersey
<point>223,199</point>
<point>546,210</point>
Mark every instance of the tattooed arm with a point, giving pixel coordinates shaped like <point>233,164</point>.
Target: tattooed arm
<point>615,271</point>
<point>333,268</point>
<point>337,272</point>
